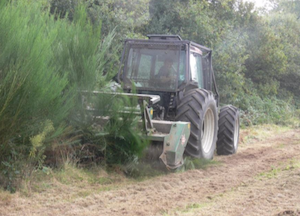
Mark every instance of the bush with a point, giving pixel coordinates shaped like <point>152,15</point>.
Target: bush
<point>256,110</point>
<point>118,140</point>
<point>43,64</point>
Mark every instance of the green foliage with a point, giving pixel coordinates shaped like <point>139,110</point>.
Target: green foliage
<point>229,67</point>
<point>115,139</point>
<point>36,153</point>
<point>266,59</point>
<point>286,27</point>
<point>30,87</point>
<point>123,136</point>
<point>63,8</point>
<point>43,64</point>
<point>76,50</point>
<point>256,110</point>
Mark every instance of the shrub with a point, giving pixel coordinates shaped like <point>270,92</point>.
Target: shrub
<point>43,64</point>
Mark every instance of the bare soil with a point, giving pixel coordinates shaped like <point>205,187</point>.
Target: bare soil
<point>263,178</point>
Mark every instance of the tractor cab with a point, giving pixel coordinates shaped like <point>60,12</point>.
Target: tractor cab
<point>167,66</point>
<point>165,63</point>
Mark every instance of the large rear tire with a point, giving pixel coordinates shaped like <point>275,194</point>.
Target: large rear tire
<point>229,127</point>
<point>198,107</point>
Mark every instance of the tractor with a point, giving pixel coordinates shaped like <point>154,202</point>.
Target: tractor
<point>178,96</point>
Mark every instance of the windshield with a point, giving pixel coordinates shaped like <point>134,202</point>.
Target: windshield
<point>154,66</point>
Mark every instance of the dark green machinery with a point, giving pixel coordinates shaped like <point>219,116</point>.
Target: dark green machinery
<point>176,87</point>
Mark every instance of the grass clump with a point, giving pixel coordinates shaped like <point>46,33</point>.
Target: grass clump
<point>76,182</point>
<point>143,170</point>
<point>5,198</point>
<point>196,163</point>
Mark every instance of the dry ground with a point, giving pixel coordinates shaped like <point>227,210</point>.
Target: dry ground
<point>263,178</point>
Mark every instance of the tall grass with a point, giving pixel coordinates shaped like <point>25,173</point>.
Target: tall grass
<point>43,64</point>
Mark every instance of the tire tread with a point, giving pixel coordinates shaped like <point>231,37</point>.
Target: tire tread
<point>227,123</point>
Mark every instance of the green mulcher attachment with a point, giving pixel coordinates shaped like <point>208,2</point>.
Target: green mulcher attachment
<point>168,139</point>
<point>174,137</point>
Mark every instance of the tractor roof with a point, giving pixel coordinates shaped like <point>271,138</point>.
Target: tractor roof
<point>168,39</point>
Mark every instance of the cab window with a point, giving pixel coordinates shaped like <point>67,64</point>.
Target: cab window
<point>196,69</point>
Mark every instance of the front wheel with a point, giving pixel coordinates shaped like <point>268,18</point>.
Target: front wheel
<point>229,127</point>
<point>198,107</point>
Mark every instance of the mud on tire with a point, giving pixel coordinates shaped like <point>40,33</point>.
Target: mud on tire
<point>198,107</point>
<point>228,134</point>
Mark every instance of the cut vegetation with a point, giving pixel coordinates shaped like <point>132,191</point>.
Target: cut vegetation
<point>263,179</point>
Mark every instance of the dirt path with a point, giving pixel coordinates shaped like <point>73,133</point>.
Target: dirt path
<point>262,179</point>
